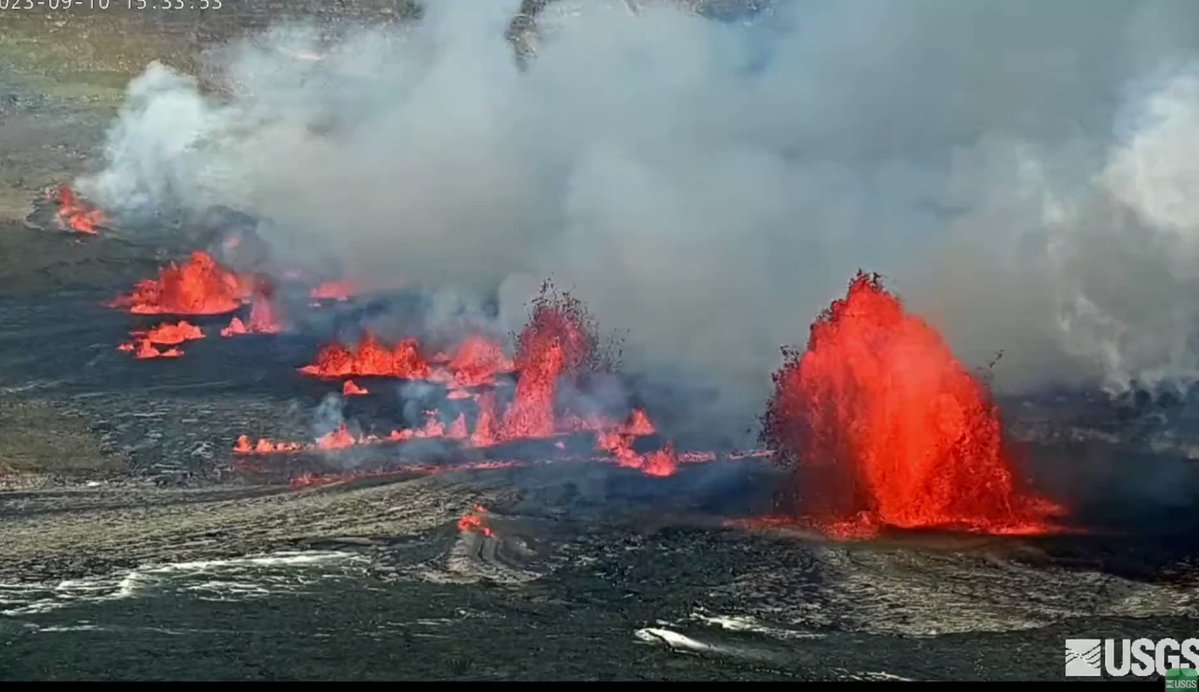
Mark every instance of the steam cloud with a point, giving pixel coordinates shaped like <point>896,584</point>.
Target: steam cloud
<point>1025,172</point>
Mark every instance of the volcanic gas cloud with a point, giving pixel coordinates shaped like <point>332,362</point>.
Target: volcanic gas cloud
<point>884,427</point>
<point>199,286</point>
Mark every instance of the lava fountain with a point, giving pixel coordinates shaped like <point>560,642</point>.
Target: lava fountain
<point>199,286</point>
<point>883,426</point>
<point>372,359</point>
<point>558,339</point>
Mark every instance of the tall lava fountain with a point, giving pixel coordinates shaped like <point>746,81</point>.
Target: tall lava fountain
<point>883,426</point>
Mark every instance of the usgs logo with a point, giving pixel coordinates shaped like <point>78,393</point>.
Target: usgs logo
<point>1140,657</point>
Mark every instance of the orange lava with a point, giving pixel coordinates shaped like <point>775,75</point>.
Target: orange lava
<point>199,286</point>
<point>485,423</point>
<point>351,388</point>
<point>264,446</point>
<point>370,358</point>
<point>884,427</point>
<point>168,334</point>
<point>77,215</point>
<point>338,439</point>
<point>236,328</point>
<point>334,290</point>
<point>477,361</point>
<point>457,429</point>
<point>639,424</point>
<point>265,317</point>
<point>475,522</point>
<point>660,462</point>
<point>144,349</point>
<point>558,340</point>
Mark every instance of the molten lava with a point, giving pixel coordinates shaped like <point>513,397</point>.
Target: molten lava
<point>351,388</point>
<point>77,215</point>
<point>660,462</point>
<point>338,439</point>
<point>370,358</point>
<point>558,340</point>
<point>477,361</point>
<point>198,287</point>
<point>639,424</point>
<point>457,429</point>
<point>334,290</point>
<point>263,446</point>
<point>485,433</point>
<point>168,334</point>
<point>475,522</point>
<point>264,314</point>
<point>884,427</point>
<point>236,328</point>
<point>144,349</point>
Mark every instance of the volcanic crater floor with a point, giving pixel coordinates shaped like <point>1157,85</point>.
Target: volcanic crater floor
<point>134,543</point>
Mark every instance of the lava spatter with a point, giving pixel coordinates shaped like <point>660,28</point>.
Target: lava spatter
<point>199,286</point>
<point>168,334</point>
<point>477,361</point>
<point>77,215</point>
<point>883,426</point>
<point>475,521</point>
<point>370,358</point>
<point>559,339</point>
<point>265,317</point>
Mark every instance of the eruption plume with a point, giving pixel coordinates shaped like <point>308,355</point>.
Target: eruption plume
<point>649,160</point>
<point>199,286</point>
<point>884,427</point>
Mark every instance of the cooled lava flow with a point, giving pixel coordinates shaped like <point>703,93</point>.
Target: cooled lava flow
<point>76,214</point>
<point>199,286</point>
<point>370,358</point>
<point>884,427</point>
<point>265,317</point>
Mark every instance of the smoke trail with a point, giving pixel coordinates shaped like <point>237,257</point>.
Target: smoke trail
<point>1019,169</point>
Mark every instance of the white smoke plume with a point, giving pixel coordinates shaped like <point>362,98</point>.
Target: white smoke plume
<point>1024,172</point>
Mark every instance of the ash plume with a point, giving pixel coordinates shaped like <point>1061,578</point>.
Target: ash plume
<point>707,179</point>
